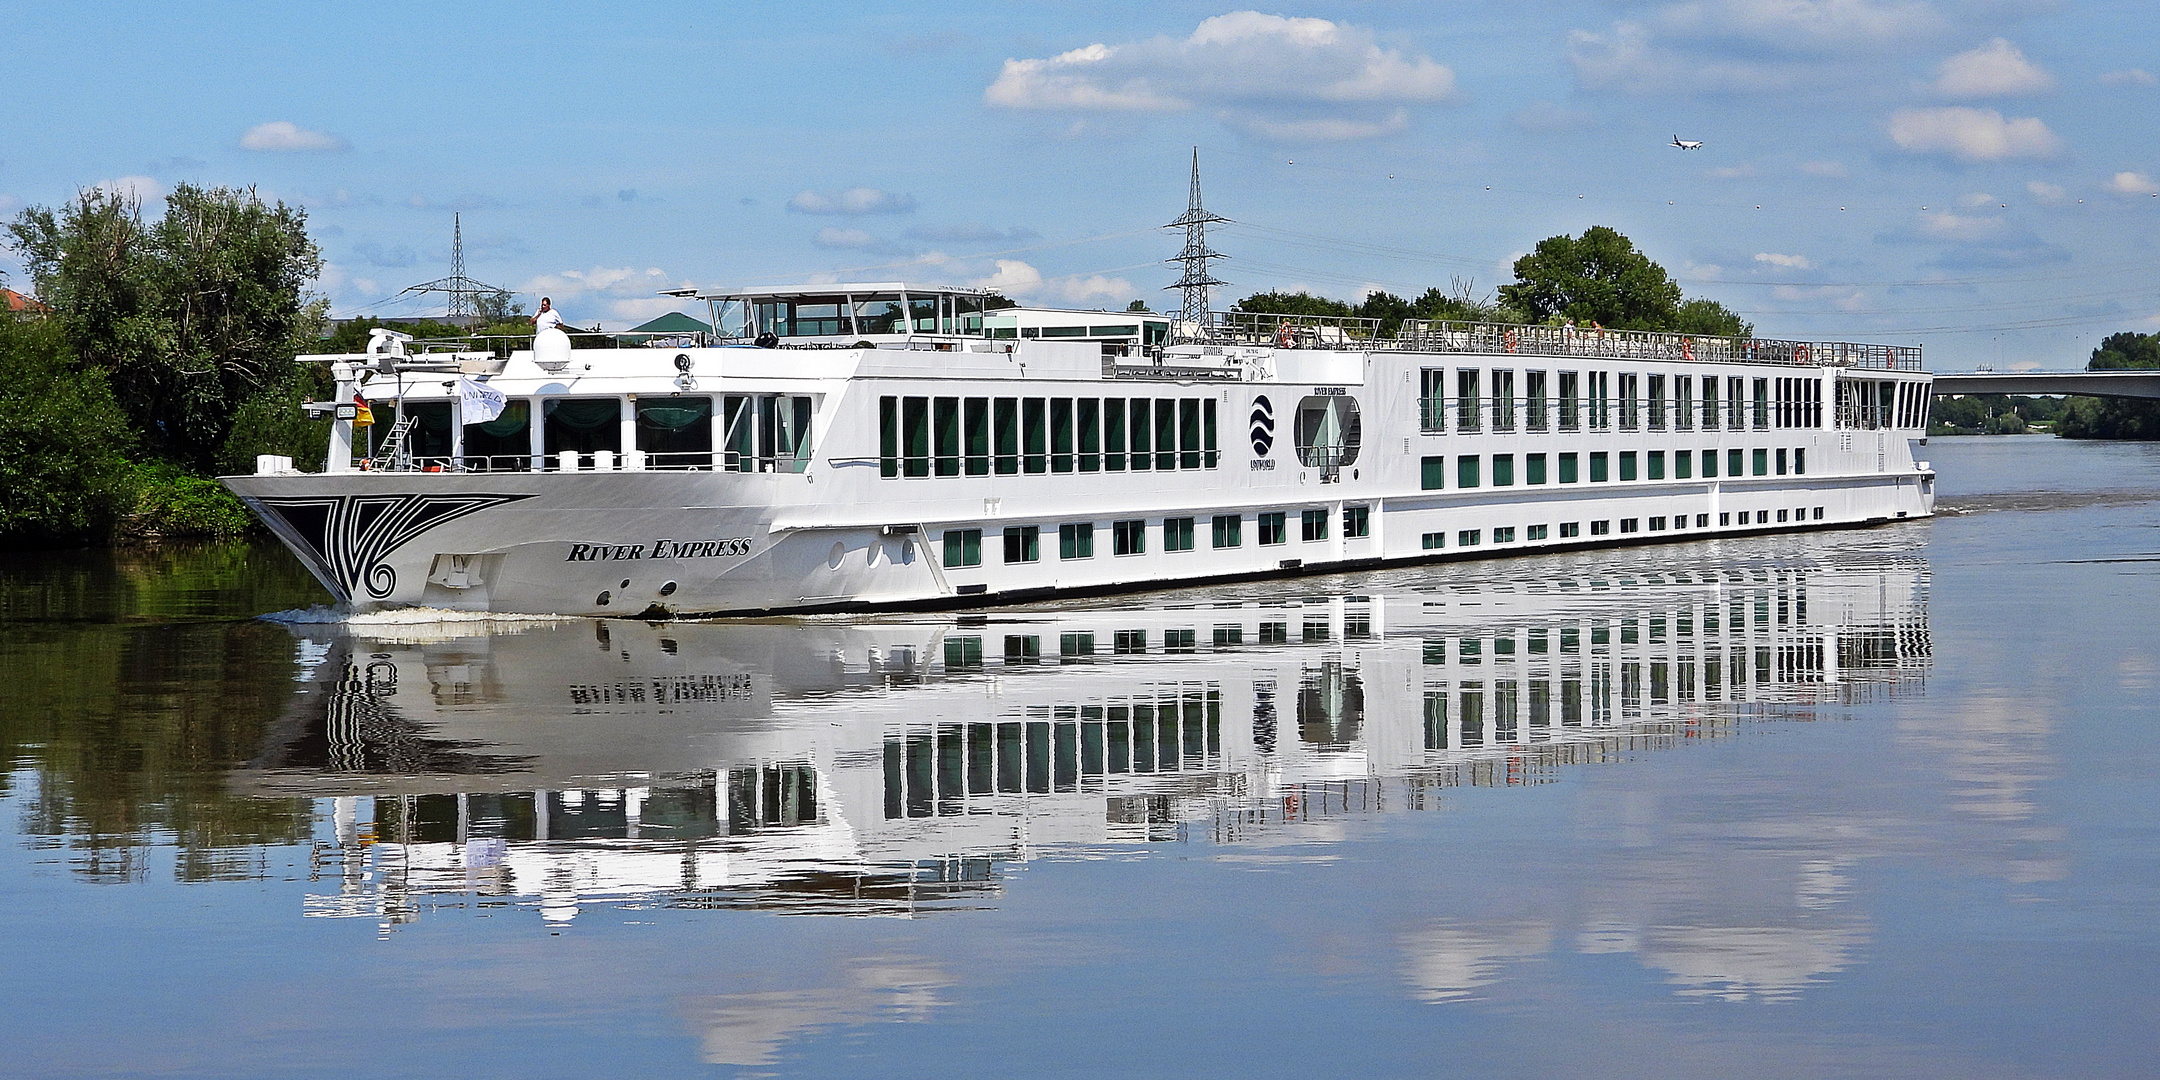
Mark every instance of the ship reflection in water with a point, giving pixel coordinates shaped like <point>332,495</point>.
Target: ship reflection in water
<point>897,765</point>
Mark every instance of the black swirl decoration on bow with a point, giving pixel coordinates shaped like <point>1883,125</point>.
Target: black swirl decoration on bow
<point>344,538</point>
<point>1263,426</point>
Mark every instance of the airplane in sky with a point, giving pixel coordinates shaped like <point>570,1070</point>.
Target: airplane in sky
<point>1687,144</point>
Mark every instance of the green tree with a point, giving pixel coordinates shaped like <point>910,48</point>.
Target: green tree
<point>2115,418</point>
<point>63,441</point>
<point>191,315</point>
<point>1293,303</point>
<point>1601,278</point>
<point>1138,305</point>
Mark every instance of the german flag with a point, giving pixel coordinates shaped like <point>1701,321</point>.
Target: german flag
<point>362,415</point>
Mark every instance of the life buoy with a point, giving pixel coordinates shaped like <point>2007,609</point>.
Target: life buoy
<point>1282,335</point>
<point>1800,354</point>
<point>1508,336</point>
<point>1687,348</point>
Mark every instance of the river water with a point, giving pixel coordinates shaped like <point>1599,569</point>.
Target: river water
<point>1872,803</point>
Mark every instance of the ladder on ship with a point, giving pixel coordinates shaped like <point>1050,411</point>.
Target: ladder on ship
<point>396,456</point>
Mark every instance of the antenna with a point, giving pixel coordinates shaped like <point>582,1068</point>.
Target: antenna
<point>1193,284</point>
<point>463,291</point>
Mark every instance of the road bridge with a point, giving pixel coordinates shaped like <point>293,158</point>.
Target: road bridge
<point>2142,383</point>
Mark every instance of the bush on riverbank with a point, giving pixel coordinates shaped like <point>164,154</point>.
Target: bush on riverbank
<point>169,502</point>
<point>64,474</point>
<point>2116,418</point>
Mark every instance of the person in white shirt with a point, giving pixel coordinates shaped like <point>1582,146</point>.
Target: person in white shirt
<point>548,318</point>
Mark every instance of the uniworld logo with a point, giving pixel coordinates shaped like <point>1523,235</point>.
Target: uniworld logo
<point>1263,426</point>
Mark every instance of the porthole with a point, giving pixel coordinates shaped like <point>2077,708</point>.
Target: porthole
<point>603,598</point>
<point>668,589</point>
<point>837,556</point>
<point>625,584</point>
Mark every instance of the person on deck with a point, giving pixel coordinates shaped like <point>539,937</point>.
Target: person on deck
<point>547,318</point>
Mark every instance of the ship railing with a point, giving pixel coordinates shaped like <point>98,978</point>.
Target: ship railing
<point>588,461</point>
<point>1868,417</point>
<point>1293,331</point>
<point>1434,335</point>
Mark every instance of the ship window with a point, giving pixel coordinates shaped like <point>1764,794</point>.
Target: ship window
<point>1535,532</point>
<point>1229,530</point>
<point>783,436</point>
<point>1503,536</point>
<point>1113,417</point>
<point>1468,538</point>
<point>1177,534</point>
<point>1709,464</point>
<point>1599,473</point>
<point>1138,434</point>
<point>1600,528</point>
<point>1799,461</point>
<point>583,424</point>
<point>1432,541</point>
<point>506,441</point>
<point>1005,432</point>
<point>1023,543</point>
<point>675,432</point>
<point>1733,464</point>
<point>945,433</point>
<point>1503,470</point>
<point>1568,473</point>
<point>1209,454</point>
<point>1328,431</point>
<point>1569,529</point>
<point>963,547</point>
<point>1166,434</point>
<point>1627,464</point>
<point>1683,465</point>
<point>1188,414</point>
<point>1312,524</point>
<point>975,432</point>
<point>1356,522</point>
<point>1466,471</point>
<point>1432,472</point>
<point>1128,537</point>
<point>1654,465</point>
<point>1061,435</point>
<point>1076,541</point>
<point>1088,417</point>
<point>1533,468</point>
<point>1272,528</point>
<point>1032,435</point>
<point>1781,461</point>
<point>430,435</point>
<point>1762,462</point>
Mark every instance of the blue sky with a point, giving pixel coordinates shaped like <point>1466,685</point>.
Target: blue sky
<point>1979,178</point>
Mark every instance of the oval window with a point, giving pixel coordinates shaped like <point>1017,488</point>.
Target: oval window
<point>1328,431</point>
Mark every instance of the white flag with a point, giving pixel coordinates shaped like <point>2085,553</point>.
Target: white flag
<point>479,403</point>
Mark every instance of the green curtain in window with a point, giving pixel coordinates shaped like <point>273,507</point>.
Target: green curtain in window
<point>674,414</point>
<point>509,423</point>
<point>585,414</point>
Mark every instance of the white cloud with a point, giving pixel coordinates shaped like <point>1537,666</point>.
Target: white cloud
<point>1827,169</point>
<point>1012,278</point>
<point>1743,46</point>
<point>2131,77</point>
<point>1742,171</point>
<point>638,309</point>
<point>1996,69</point>
<point>1019,280</point>
<point>2132,183</point>
<point>1278,77</point>
<point>141,188</point>
<point>1977,198</point>
<point>1971,134</point>
<point>615,282</point>
<point>284,136</point>
<point>854,200</point>
<point>2048,194</point>
<point>1790,262</point>
<point>845,238</point>
<point>1944,225</point>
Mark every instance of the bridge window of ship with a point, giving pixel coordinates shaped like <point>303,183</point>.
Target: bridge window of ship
<point>583,426</point>
<point>1076,540</point>
<point>767,433</point>
<point>1128,537</point>
<point>1273,528</point>
<point>675,432</point>
<point>429,439</point>
<point>504,443</point>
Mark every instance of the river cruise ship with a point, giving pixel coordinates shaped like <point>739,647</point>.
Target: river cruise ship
<point>888,445</point>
